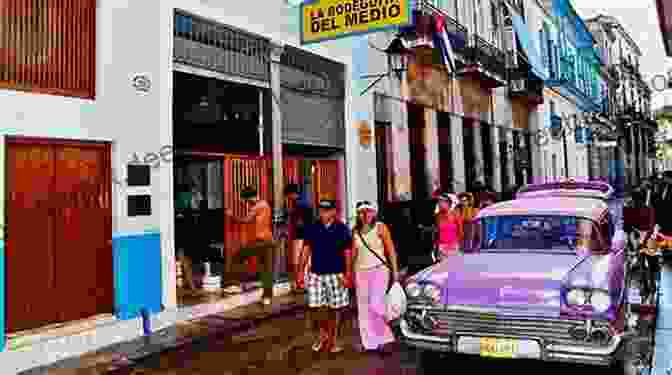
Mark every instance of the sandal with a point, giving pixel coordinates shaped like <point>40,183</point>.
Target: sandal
<point>336,349</point>
<point>317,346</point>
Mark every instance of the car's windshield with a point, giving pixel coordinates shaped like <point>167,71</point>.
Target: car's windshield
<point>533,233</point>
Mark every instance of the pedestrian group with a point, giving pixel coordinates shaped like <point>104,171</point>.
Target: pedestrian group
<point>332,261</point>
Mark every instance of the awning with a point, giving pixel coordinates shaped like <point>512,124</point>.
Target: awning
<point>529,44</point>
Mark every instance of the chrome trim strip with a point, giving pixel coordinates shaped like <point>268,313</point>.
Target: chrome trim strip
<point>417,336</point>
<point>505,311</point>
<point>608,350</point>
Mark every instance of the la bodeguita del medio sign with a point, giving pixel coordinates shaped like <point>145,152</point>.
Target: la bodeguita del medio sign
<point>332,19</point>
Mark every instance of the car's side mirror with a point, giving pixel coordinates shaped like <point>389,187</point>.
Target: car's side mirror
<point>618,241</point>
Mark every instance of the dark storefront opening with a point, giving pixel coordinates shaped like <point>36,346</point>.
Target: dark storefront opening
<point>528,155</point>
<point>382,172</point>
<point>416,127</point>
<point>470,171</point>
<point>445,152</point>
<point>504,159</point>
<point>212,119</point>
<point>486,140</point>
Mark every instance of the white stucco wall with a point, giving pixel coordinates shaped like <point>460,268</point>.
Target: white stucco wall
<point>136,37</point>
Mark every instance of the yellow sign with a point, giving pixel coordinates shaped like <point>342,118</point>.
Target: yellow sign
<point>330,19</point>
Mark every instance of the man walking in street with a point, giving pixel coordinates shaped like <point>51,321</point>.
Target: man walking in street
<point>300,215</point>
<point>327,243</point>
<point>261,215</point>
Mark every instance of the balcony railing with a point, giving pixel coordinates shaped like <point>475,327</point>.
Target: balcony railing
<point>627,66</point>
<point>458,34</point>
<point>520,83</point>
<point>613,72</point>
<point>491,58</point>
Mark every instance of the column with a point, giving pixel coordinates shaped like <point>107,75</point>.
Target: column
<point>509,160</point>
<point>276,132</point>
<point>400,152</point>
<point>459,174</point>
<point>522,148</point>
<point>496,167</point>
<point>478,152</point>
<point>536,126</point>
<point>431,139</point>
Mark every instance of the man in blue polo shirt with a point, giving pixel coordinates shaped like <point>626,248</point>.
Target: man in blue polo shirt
<point>327,243</point>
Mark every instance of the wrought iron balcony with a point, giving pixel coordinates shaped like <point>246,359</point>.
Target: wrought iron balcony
<point>484,62</point>
<point>614,73</point>
<point>627,66</point>
<point>521,83</point>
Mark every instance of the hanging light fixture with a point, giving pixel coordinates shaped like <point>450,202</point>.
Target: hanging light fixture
<point>397,57</point>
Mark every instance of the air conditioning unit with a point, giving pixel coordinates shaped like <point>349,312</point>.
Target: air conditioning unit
<point>518,85</point>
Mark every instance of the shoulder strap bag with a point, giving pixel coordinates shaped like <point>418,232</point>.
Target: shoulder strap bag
<point>395,295</point>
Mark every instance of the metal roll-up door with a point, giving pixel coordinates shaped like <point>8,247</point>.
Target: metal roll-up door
<point>312,119</point>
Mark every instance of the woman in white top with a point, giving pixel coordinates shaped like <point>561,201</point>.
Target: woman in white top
<point>372,276</point>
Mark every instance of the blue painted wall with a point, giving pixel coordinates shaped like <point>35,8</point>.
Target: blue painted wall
<point>137,274</point>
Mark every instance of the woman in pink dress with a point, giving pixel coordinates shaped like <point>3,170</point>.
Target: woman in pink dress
<point>449,224</point>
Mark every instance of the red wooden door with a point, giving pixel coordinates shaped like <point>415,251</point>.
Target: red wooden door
<point>83,229</point>
<point>30,254</point>
<point>59,255</point>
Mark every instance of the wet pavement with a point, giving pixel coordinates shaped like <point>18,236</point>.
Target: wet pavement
<point>283,345</point>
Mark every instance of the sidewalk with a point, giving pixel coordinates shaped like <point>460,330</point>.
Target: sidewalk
<point>123,355</point>
<point>112,342</point>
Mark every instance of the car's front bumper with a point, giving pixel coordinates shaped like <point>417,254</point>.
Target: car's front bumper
<point>547,351</point>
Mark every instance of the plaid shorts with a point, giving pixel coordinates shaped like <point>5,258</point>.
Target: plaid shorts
<point>326,290</point>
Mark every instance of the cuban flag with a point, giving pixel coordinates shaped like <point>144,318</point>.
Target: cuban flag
<point>442,42</point>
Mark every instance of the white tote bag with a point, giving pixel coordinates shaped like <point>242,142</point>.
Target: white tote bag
<point>395,302</point>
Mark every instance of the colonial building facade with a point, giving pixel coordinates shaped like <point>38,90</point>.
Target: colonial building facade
<point>629,105</point>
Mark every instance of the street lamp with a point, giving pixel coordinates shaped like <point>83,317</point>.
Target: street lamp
<point>397,62</point>
<point>397,57</point>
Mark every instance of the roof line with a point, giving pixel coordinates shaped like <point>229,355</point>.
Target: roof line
<point>622,30</point>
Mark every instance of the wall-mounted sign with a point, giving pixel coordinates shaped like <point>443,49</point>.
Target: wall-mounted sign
<point>330,19</point>
<point>365,134</point>
<point>141,82</point>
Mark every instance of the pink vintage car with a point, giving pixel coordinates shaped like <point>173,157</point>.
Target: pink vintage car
<point>545,276</point>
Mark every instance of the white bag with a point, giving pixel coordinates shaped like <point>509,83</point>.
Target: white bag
<point>395,302</point>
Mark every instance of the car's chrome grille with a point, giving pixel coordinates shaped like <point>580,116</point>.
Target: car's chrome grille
<point>472,323</point>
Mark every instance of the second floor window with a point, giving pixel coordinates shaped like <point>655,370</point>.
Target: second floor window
<point>48,49</point>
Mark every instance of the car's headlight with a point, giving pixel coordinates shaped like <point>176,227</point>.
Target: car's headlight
<point>432,292</point>
<point>600,301</point>
<point>577,297</point>
<point>413,290</point>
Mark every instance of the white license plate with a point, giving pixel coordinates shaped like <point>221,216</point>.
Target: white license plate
<point>499,347</point>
